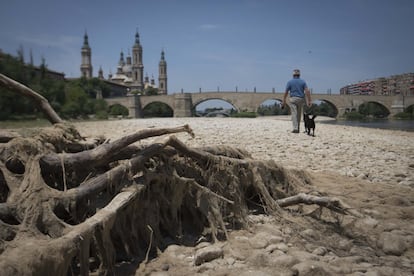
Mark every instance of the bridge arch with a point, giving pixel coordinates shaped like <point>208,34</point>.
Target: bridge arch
<point>203,100</point>
<point>118,109</point>
<point>157,101</point>
<point>183,103</point>
<point>409,108</point>
<point>277,99</point>
<point>374,108</point>
<point>271,107</point>
<point>331,105</point>
<point>157,109</point>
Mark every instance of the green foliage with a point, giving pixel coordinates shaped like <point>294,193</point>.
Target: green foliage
<point>35,78</point>
<point>72,99</point>
<point>270,110</point>
<point>151,91</point>
<point>324,109</point>
<point>158,109</point>
<point>244,114</point>
<point>101,115</point>
<point>353,116</point>
<point>118,109</point>
<point>404,116</point>
<point>91,86</point>
<point>373,109</point>
<point>410,110</point>
<point>70,110</point>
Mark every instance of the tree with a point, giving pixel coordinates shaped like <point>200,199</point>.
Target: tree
<point>11,106</point>
<point>150,91</point>
<point>118,109</point>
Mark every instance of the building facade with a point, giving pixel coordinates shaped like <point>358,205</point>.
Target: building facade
<point>394,85</point>
<point>130,69</point>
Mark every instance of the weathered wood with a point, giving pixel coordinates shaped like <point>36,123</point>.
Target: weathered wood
<point>56,262</point>
<point>5,212</point>
<point>105,152</point>
<point>114,176</point>
<point>6,136</point>
<point>331,203</point>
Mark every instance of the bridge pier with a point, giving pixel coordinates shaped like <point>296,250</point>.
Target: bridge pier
<point>183,105</point>
<point>397,106</point>
<point>134,106</point>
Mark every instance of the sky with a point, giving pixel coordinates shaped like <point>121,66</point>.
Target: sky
<point>220,44</point>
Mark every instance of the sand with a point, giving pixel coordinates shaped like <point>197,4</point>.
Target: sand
<point>374,155</point>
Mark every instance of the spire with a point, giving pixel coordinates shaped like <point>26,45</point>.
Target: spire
<point>162,55</point>
<point>121,58</point>
<point>136,37</point>
<point>162,77</point>
<point>85,40</point>
<point>162,60</point>
<point>100,73</point>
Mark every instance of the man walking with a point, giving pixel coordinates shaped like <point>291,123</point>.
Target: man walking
<point>298,91</point>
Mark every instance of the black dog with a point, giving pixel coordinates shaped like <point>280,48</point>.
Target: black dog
<point>309,123</point>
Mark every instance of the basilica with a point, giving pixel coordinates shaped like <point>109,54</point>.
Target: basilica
<point>130,69</point>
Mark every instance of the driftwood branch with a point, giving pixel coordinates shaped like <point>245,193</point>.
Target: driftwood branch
<point>69,245</point>
<point>202,188</point>
<point>40,101</point>
<point>114,176</point>
<point>331,203</point>
<point>6,136</point>
<point>105,152</point>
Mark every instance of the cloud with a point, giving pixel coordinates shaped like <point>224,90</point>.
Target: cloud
<point>208,27</point>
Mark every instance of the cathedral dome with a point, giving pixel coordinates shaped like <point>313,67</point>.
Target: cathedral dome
<point>127,68</point>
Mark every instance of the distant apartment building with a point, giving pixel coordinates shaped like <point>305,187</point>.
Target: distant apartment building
<point>394,85</point>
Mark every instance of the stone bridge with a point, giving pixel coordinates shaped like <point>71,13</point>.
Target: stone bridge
<point>183,104</point>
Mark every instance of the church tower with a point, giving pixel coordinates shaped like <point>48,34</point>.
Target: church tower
<point>162,75</point>
<point>86,65</point>
<point>137,65</point>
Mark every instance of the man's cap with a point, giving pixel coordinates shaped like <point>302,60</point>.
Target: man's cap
<point>296,72</point>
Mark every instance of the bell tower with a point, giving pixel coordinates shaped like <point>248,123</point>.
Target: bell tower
<point>137,65</point>
<point>162,75</point>
<point>86,65</point>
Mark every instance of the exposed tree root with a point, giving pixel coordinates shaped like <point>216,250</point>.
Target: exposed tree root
<point>67,207</point>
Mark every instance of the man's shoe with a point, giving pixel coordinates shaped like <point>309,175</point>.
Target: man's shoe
<point>295,131</point>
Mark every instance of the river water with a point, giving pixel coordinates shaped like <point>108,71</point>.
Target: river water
<point>405,125</point>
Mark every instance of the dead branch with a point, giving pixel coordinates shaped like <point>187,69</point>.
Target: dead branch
<point>6,136</point>
<point>202,188</point>
<point>105,152</point>
<point>115,176</point>
<point>40,101</point>
<point>69,245</point>
<point>331,203</point>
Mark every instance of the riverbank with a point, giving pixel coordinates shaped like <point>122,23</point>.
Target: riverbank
<point>371,170</point>
<point>391,124</point>
<point>375,155</point>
